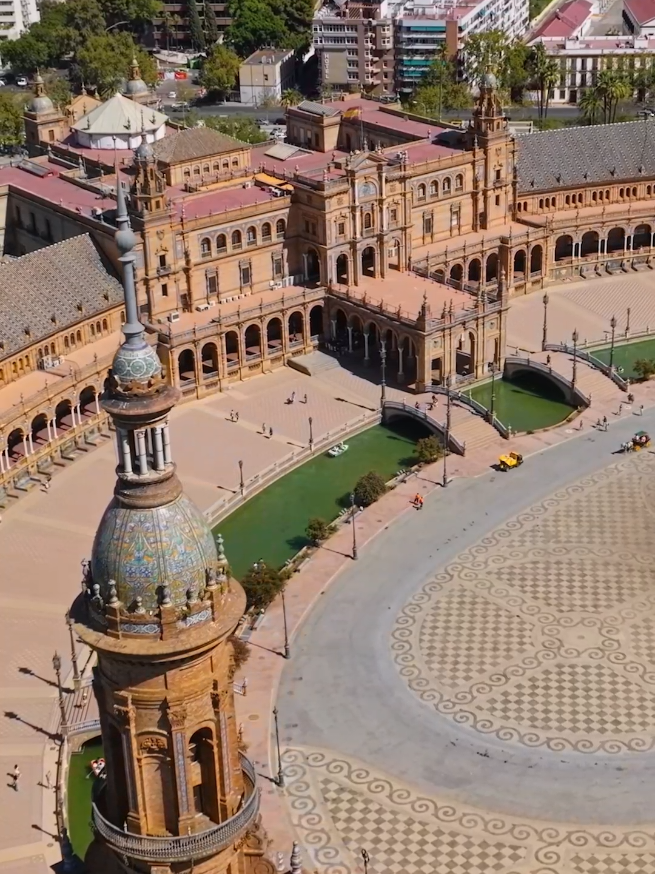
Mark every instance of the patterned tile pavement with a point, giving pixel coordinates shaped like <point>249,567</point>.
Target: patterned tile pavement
<point>544,632</point>
<point>339,806</point>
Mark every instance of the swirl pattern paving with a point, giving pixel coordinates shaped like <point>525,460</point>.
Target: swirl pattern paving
<point>339,806</point>
<point>544,632</point>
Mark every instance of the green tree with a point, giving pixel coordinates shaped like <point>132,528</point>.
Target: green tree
<point>262,584</point>
<point>58,89</point>
<point>428,449</point>
<point>240,127</point>
<point>291,97</point>
<point>514,71</point>
<point>643,78</point>
<point>27,53</point>
<point>544,74</point>
<point>297,17</point>
<point>211,25</point>
<point>318,530</point>
<point>483,52</point>
<point>590,105</point>
<point>11,120</point>
<point>83,19</point>
<point>220,71</point>
<point>254,24</point>
<point>643,367</point>
<point>196,32</point>
<point>136,13</point>
<point>105,60</point>
<point>613,87</point>
<point>369,488</point>
<point>240,651</point>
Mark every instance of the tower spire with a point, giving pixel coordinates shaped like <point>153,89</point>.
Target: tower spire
<point>125,243</point>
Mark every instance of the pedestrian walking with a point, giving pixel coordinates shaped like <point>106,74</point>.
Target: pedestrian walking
<point>606,424</point>
<point>620,410</point>
<point>293,396</point>
<point>264,428</point>
<point>15,776</point>
<point>304,400</point>
<point>236,416</point>
<point>270,432</point>
<point>580,425</point>
<point>46,485</point>
<point>548,360</point>
<point>641,409</point>
<point>420,502</point>
<point>48,779</point>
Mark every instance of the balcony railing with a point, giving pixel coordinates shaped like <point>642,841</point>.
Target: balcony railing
<point>185,847</point>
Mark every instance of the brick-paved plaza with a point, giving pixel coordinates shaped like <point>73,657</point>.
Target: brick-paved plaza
<point>44,537</point>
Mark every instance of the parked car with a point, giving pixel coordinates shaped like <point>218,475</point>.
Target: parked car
<point>645,113</point>
<point>172,95</point>
<point>21,81</point>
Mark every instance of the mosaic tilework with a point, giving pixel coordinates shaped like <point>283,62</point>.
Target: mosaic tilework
<point>340,806</point>
<point>543,633</point>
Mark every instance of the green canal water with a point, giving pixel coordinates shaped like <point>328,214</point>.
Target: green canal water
<point>528,403</point>
<point>79,796</point>
<point>272,525</point>
<point>626,355</point>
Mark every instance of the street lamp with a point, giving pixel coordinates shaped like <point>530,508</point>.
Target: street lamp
<point>352,522</point>
<point>76,672</point>
<point>279,780</point>
<point>613,327</point>
<point>366,859</point>
<point>575,357</point>
<point>383,365</point>
<point>311,434</point>
<point>544,334</point>
<point>56,664</point>
<point>493,390</point>
<point>627,323</point>
<point>444,481</point>
<point>241,476</point>
<point>287,652</point>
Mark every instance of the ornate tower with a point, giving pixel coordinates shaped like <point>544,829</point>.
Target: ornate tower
<point>158,609</point>
<point>135,88</point>
<point>148,191</point>
<point>489,136</point>
<point>43,123</point>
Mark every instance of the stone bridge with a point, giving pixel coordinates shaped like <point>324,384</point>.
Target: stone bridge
<point>573,394</point>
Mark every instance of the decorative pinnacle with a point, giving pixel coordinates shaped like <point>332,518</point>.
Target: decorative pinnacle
<point>125,242</point>
<point>222,558</point>
<point>295,865</point>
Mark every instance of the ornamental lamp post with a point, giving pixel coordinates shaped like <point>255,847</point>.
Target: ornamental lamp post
<point>575,336</point>
<point>544,334</point>
<point>627,323</point>
<point>352,522</point>
<point>613,327</point>
<point>279,780</point>
<point>383,365</point>
<point>287,650</point>
<point>76,673</point>
<point>493,391</point>
<point>56,664</point>
<point>241,486</point>
<point>311,434</point>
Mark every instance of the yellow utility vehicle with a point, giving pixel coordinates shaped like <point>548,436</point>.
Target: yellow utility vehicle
<point>510,461</point>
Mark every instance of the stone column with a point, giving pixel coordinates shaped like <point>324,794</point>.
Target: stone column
<point>366,358</point>
<point>124,715</point>
<point>54,428</point>
<point>25,449</point>
<point>141,452</point>
<point>97,403</point>
<point>158,448</point>
<point>124,452</point>
<point>350,338</point>
<point>401,372</point>
<point>166,439</point>
<point>177,720</point>
<point>31,442</point>
<point>333,328</point>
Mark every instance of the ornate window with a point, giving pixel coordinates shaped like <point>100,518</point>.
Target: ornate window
<point>236,239</point>
<point>205,247</point>
<point>251,236</point>
<point>266,232</point>
<point>420,192</point>
<point>280,228</point>
<point>221,243</point>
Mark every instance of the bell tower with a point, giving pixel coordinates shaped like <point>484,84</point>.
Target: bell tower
<point>489,137</point>
<point>148,191</point>
<point>159,609</point>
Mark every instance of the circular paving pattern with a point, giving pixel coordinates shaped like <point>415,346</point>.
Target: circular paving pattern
<point>544,632</point>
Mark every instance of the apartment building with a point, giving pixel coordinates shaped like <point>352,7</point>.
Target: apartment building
<point>265,75</point>
<point>390,45</point>
<point>354,45</point>
<point>15,17</point>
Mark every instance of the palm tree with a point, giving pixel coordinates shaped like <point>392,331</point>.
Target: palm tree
<point>545,75</point>
<point>612,87</point>
<point>590,105</point>
<point>291,97</point>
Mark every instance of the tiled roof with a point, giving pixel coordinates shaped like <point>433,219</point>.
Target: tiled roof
<point>642,11</point>
<point>586,155</point>
<point>54,281</point>
<point>194,143</point>
<point>313,108</point>
<point>566,20</point>
<point>118,115</point>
